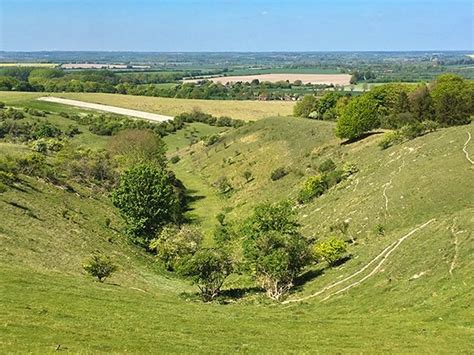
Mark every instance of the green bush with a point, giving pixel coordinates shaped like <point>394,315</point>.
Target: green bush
<point>175,159</point>
<point>101,266</point>
<point>173,244</point>
<point>349,169</point>
<point>223,185</point>
<point>314,186</point>
<point>361,115</point>
<point>274,250</point>
<point>390,138</point>
<point>208,269</point>
<point>278,173</point>
<point>331,250</point>
<point>327,165</point>
<point>211,140</point>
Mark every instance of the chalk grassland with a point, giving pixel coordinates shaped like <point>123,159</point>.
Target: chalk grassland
<point>336,79</point>
<point>418,302</point>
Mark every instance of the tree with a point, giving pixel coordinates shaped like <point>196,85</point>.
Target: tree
<point>452,100</point>
<point>273,248</point>
<point>174,244</point>
<point>147,200</point>
<point>308,104</point>
<point>359,116</point>
<point>100,266</point>
<point>208,268</point>
<point>421,103</point>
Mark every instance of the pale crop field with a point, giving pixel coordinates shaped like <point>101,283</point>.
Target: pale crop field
<point>243,110</point>
<point>336,79</point>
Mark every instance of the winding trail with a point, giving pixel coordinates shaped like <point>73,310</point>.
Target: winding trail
<point>383,255</point>
<point>386,186</point>
<point>465,146</point>
<point>456,248</point>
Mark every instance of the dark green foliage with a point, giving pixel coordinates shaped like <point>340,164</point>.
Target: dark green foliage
<point>278,173</point>
<point>101,266</point>
<point>274,250</point>
<point>207,268</point>
<point>361,115</point>
<point>326,108</point>
<point>147,200</point>
<point>175,159</point>
<point>453,100</point>
<point>421,103</point>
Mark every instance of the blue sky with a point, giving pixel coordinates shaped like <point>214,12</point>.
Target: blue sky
<point>236,25</point>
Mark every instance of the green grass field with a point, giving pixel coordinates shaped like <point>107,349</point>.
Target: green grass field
<point>417,302</point>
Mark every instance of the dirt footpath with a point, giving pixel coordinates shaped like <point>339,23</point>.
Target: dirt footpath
<point>113,109</point>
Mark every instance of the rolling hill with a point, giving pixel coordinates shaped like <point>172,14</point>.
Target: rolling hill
<point>406,288</point>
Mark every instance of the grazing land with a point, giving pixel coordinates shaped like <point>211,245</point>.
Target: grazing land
<point>409,205</point>
<point>335,79</point>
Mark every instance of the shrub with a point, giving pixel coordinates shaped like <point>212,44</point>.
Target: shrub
<point>413,130</point>
<point>173,244</point>
<point>208,269</point>
<point>2,105</point>
<point>331,250</point>
<point>274,250</point>
<point>313,187</point>
<point>327,165</point>
<point>247,175</point>
<point>390,138</point>
<point>44,145</point>
<point>223,185</point>
<point>349,169</point>
<point>278,173</point>
<point>175,159</point>
<point>100,266</point>
<point>147,200</point>
<point>211,140</point>
<point>306,106</point>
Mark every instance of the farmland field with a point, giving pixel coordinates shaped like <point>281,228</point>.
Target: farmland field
<point>243,110</point>
<point>339,79</point>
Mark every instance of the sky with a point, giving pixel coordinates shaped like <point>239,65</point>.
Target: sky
<point>236,25</point>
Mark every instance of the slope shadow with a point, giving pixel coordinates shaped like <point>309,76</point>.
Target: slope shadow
<point>362,137</point>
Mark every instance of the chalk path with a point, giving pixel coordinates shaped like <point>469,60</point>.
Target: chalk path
<point>106,108</point>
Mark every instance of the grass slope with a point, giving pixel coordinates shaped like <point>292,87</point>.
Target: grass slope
<point>418,301</point>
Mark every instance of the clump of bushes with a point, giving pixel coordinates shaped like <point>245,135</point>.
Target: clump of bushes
<point>331,250</point>
<point>44,145</point>
<point>208,269</point>
<point>211,140</point>
<point>101,266</point>
<point>278,173</point>
<point>175,159</point>
<point>173,244</point>
<point>407,132</point>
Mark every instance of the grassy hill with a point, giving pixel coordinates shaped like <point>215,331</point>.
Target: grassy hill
<point>414,298</point>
